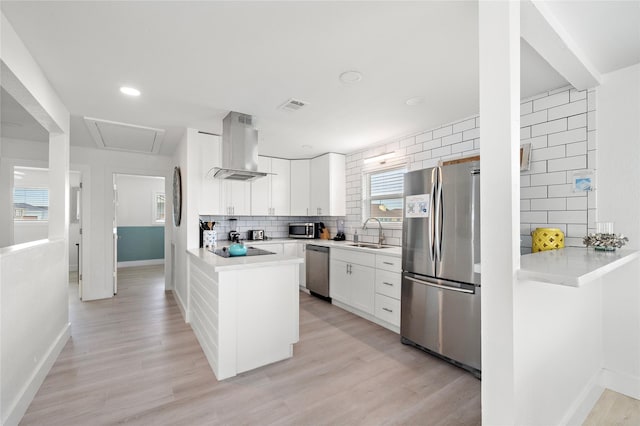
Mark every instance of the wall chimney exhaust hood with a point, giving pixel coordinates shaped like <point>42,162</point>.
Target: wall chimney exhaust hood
<point>239,149</point>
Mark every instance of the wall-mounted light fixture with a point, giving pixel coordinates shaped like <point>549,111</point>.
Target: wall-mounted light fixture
<point>382,158</point>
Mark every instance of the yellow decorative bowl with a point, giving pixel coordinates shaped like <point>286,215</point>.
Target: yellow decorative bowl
<point>546,239</point>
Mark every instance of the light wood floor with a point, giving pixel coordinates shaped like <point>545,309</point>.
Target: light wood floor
<point>132,359</point>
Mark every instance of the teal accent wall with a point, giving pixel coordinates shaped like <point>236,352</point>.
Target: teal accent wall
<point>140,243</point>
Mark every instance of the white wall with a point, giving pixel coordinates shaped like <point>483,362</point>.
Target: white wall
<point>74,227</point>
<point>34,302</point>
<point>618,202</point>
<point>136,202</point>
<point>98,221</point>
<point>176,258</point>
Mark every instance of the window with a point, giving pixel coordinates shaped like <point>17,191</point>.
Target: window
<point>30,203</point>
<point>383,195</point>
<point>158,207</point>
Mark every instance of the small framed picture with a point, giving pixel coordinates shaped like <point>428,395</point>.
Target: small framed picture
<point>525,157</point>
<point>583,181</point>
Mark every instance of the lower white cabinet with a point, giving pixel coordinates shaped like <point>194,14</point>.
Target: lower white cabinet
<point>367,285</point>
<point>277,248</point>
<point>301,251</point>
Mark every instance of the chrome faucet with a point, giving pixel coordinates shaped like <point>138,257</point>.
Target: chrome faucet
<point>380,234</point>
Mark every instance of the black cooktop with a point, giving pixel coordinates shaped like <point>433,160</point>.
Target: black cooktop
<point>251,251</point>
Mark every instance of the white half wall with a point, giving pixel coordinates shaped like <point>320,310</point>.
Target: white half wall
<point>618,202</point>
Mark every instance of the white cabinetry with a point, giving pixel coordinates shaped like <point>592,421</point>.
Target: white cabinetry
<point>236,197</point>
<point>368,285</point>
<point>328,190</point>
<point>301,252</point>
<point>300,187</point>
<point>352,279</point>
<point>270,195</point>
<point>211,189</point>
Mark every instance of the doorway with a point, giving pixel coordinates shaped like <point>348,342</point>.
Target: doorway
<point>139,212</point>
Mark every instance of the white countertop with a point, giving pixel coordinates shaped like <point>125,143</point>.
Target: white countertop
<point>395,251</point>
<point>572,266</point>
<point>221,264</point>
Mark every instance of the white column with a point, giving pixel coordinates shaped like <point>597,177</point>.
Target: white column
<point>499,33</point>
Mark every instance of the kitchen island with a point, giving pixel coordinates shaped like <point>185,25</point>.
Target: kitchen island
<point>243,310</point>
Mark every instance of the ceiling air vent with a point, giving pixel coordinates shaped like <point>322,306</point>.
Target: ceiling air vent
<point>293,105</point>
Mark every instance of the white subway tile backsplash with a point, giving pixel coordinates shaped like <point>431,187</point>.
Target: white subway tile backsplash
<point>578,148</point>
<point>533,217</point>
<point>430,163</point>
<point>464,125</point>
<point>554,178</point>
<point>444,131</point>
<point>525,229</point>
<point>549,204</point>
<point>560,226</point>
<point>471,134</point>
<point>533,192</point>
<point>576,95</point>
<point>565,190</point>
<point>533,118</point>
<point>424,155</point>
<point>547,153</point>
<point>568,216</point>
<point>525,180</point>
<point>413,149</point>
<point>569,163</point>
<point>591,140</point>
<point>407,142</point>
<point>549,127</point>
<point>576,121</point>
<point>525,205</point>
<point>573,242</point>
<point>435,143</point>
<point>451,139</point>
<point>567,110</point>
<point>591,120</point>
<point>525,132</point>
<point>591,100</point>
<point>577,203</point>
<point>424,137</point>
<point>536,167</point>
<point>592,160</point>
<point>441,152</point>
<point>551,101</point>
<point>537,142</point>
<point>575,230</point>
<point>526,108</point>
<point>462,146</point>
<point>570,136</point>
<point>592,199</point>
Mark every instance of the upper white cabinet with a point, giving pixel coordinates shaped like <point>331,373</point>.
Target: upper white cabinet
<point>210,202</point>
<point>300,185</point>
<point>270,195</point>
<point>328,189</point>
<point>236,197</point>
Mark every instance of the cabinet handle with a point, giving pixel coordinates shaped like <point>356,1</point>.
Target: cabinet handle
<point>389,263</point>
<point>384,282</point>
<point>387,309</point>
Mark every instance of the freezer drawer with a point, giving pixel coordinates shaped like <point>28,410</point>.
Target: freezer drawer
<point>444,320</point>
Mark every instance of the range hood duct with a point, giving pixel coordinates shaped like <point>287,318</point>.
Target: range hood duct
<point>239,149</point>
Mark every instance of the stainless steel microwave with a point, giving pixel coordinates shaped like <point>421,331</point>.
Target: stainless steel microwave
<point>303,230</point>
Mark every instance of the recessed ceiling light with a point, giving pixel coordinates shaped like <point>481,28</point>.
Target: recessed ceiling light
<point>130,91</point>
<point>416,100</point>
<point>350,77</point>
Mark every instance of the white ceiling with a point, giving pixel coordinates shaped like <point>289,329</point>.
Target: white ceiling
<point>196,61</point>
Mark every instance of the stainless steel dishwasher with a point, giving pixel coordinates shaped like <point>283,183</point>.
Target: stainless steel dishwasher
<point>317,265</point>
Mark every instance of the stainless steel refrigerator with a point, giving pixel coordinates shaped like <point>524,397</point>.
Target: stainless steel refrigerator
<point>440,303</point>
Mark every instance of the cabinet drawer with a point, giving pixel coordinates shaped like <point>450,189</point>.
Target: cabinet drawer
<point>389,263</point>
<point>388,309</point>
<point>353,256</point>
<point>388,283</point>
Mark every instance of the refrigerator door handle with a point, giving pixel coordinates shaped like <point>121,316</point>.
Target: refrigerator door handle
<point>439,217</point>
<point>444,287</point>
<point>432,212</point>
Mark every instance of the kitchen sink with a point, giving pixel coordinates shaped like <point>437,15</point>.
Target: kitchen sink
<point>369,245</point>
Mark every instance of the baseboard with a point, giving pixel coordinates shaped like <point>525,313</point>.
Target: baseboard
<point>148,262</point>
<point>28,392</point>
<point>623,383</point>
<point>584,403</point>
<point>181,305</point>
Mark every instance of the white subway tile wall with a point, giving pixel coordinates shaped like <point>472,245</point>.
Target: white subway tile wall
<point>560,125</point>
